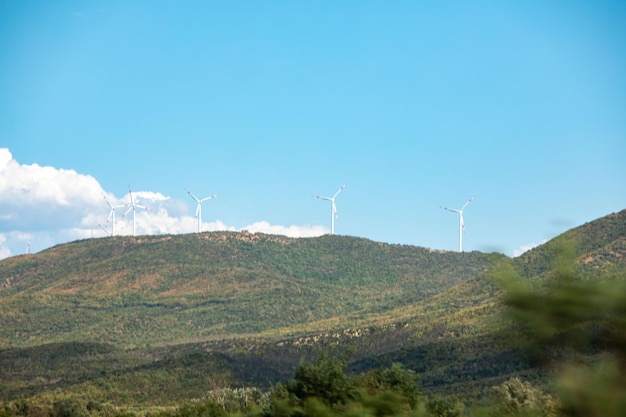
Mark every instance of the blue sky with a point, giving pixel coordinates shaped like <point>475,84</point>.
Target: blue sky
<point>413,104</point>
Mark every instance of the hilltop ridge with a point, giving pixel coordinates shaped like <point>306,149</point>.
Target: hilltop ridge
<point>599,244</point>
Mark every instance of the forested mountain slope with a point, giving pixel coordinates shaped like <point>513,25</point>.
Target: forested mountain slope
<point>166,289</point>
<point>598,247</point>
<point>463,338</point>
<point>157,319</point>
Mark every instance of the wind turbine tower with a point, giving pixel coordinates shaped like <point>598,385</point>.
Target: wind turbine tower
<point>111,217</point>
<point>199,207</point>
<point>133,206</point>
<point>333,208</point>
<point>461,224</point>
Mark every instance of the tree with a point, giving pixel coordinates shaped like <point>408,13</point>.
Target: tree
<point>325,380</point>
<point>516,397</point>
<point>396,379</point>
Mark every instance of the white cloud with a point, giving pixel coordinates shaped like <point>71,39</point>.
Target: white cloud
<point>5,252</point>
<point>524,248</point>
<point>49,206</point>
<point>291,231</point>
<point>33,197</point>
<point>148,195</point>
<point>35,184</point>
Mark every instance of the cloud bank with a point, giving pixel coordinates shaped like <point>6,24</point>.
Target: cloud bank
<point>75,208</point>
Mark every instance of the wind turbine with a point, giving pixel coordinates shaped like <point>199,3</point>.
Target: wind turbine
<point>107,231</point>
<point>111,217</point>
<point>133,206</point>
<point>461,224</point>
<point>28,248</point>
<point>333,208</point>
<point>199,207</point>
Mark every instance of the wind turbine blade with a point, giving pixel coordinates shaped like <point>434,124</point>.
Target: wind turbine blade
<point>108,202</point>
<point>197,210</point>
<point>334,209</point>
<point>193,196</point>
<point>208,198</point>
<point>339,190</point>
<point>449,209</point>
<point>467,202</point>
<point>128,211</point>
<point>323,198</point>
<point>132,202</point>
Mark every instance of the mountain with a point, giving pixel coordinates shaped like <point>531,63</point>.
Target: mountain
<point>160,319</point>
<point>597,246</point>
<point>169,289</point>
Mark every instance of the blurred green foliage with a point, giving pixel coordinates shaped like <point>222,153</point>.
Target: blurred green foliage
<point>445,407</point>
<point>576,328</point>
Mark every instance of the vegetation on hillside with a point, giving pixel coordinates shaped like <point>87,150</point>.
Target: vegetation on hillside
<point>597,247</point>
<point>157,290</point>
<point>420,342</point>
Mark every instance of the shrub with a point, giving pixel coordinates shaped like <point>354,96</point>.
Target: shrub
<point>517,397</point>
<point>397,379</point>
<point>445,407</point>
<point>325,380</point>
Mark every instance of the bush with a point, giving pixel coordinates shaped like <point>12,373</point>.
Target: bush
<point>325,380</point>
<point>385,403</point>
<point>517,397</point>
<point>68,407</point>
<point>197,409</point>
<point>445,407</point>
<point>239,398</point>
<point>397,379</point>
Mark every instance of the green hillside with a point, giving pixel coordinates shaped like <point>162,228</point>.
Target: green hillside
<point>597,247</point>
<point>170,289</point>
<point>160,319</point>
